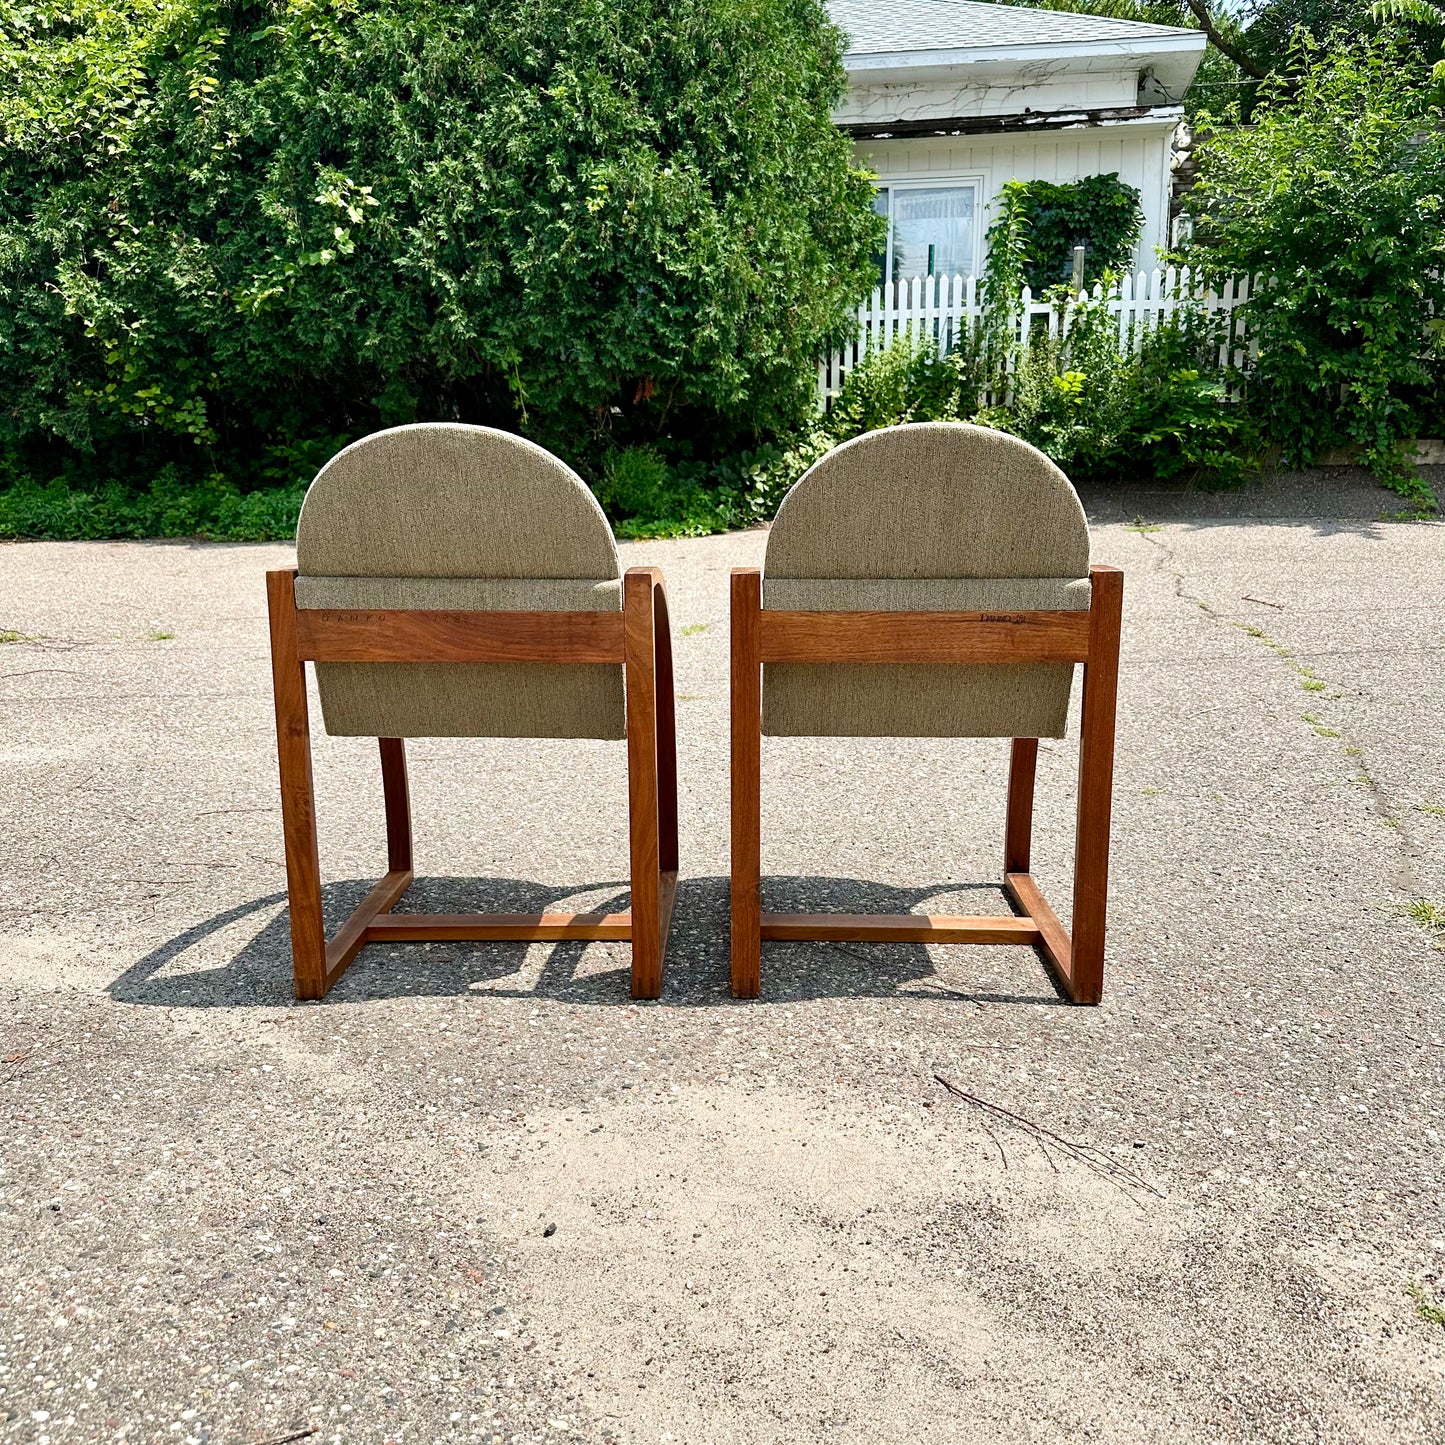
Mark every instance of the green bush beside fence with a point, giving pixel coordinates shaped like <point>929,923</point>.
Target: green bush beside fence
<point>234,236</point>
<point>234,233</point>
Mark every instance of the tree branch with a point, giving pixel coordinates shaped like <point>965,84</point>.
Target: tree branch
<point>1225,46</point>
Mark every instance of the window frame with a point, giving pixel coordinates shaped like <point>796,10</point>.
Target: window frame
<point>974,180</point>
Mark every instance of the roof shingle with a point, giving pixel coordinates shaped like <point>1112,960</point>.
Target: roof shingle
<point>889,27</point>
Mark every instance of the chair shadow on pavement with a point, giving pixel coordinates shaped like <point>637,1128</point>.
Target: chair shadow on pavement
<point>225,962</point>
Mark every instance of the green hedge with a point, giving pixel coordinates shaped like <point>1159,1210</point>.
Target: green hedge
<point>235,234</point>
<point>1336,196</point>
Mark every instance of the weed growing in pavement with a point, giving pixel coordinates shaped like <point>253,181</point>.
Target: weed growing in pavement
<point>1430,916</point>
<point>1425,1307</point>
<point>1313,719</point>
<point>1251,630</point>
<point>1434,808</point>
<point>160,636</point>
<point>692,629</point>
<point>1142,527</point>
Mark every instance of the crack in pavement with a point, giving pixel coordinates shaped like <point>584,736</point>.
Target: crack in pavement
<point>1406,880</point>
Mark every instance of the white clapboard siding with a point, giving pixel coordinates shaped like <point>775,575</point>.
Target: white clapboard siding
<point>949,308</point>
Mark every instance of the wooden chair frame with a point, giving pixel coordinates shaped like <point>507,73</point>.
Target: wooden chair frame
<point>1090,637</point>
<point>638,638</point>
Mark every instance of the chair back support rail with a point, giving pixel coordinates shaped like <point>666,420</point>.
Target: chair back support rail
<point>1089,637</point>
<point>637,637</point>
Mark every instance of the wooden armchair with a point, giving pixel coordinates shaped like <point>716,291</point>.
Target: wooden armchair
<point>931,581</point>
<point>456,581</point>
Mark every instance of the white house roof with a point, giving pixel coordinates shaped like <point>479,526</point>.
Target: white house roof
<point>889,27</point>
<point>965,43</point>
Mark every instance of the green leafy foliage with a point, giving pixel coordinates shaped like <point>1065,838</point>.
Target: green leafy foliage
<point>645,497</point>
<point>234,232</point>
<point>907,381</point>
<point>1159,413</point>
<point>1337,195</point>
<point>1274,26</point>
<point>169,507</point>
<point>1039,223</point>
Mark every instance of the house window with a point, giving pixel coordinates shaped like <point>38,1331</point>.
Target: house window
<point>932,230</point>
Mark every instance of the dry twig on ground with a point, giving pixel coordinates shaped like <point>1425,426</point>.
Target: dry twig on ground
<point>1086,1154</point>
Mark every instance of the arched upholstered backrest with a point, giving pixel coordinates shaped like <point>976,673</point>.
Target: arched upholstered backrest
<point>445,500</point>
<point>467,518</point>
<point>931,500</point>
<point>932,517</point>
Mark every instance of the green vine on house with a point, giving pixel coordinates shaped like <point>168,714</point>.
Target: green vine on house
<point>1039,224</point>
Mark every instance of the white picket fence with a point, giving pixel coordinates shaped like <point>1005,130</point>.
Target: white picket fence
<point>948,308</point>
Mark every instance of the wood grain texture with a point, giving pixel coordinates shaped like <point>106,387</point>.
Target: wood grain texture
<point>666,737</point>
<point>638,637</point>
<point>497,927</point>
<point>924,637</point>
<point>352,934</point>
<point>747,736</point>
<point>666,897</point>
<point>387,927</point>
<point>1019,814</point>
<point>640,623</point>
<point>1053,939</point>
<point>898,928</point>
<point>1090,637</point>
<point>298,799</point>
<point>359,635</point>
<point>396,798</point>
<point>1096,784</point>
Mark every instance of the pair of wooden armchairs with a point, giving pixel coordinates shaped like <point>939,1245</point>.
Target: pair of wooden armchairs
<point>921,581</point>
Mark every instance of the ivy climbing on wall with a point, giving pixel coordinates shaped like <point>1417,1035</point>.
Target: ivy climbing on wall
<point>1041,222</point>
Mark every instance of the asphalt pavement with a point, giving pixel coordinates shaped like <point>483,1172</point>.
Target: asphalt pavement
<point>908,1195</point>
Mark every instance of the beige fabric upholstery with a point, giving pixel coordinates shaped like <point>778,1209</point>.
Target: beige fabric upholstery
<point>938,517</point>
<point>446,500</point>
<point>451,517</point>
<point>461,594</point>
<point>926,594</point>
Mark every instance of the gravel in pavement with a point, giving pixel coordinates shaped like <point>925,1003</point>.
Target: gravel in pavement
<point>479,1195</point>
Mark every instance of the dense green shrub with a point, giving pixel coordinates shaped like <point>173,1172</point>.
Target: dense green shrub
<point>910,380</point>
<point>1336,195</point>
<point>169,507</point>
<point>1162,412</point>
<point>235,232</point>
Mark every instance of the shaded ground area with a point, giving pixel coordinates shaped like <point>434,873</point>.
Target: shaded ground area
<point>230,1218</point>
<point>1322,493</point>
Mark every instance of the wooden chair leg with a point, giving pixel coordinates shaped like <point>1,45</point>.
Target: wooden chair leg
<point>667,849</point>
<point>1096,786</point>
<point>298,799</point>
<point>397,801</point>
<point>746,693</point>
<point>640,667</point>
<point>1019,823</point>
<point>666,735</point>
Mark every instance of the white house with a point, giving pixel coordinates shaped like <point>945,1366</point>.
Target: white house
<point>949,99</point>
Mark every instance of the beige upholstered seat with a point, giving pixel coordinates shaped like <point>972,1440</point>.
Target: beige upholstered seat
<point>445,516</point>
<point>935,517</point>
